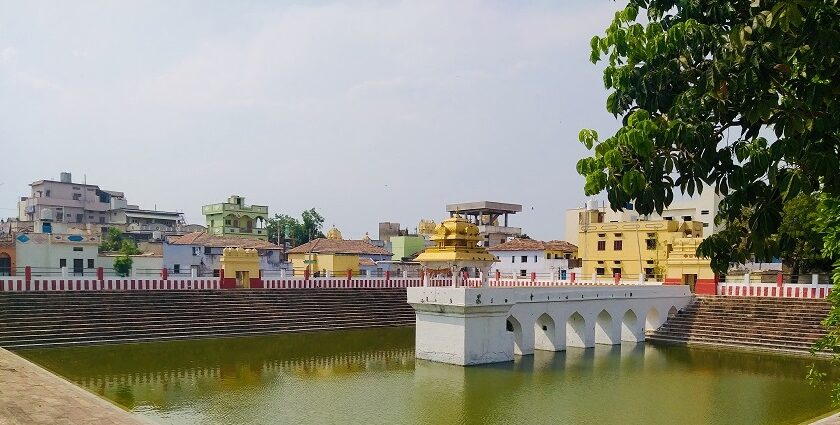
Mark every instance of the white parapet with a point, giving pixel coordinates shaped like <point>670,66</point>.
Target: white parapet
<point>468,326</point>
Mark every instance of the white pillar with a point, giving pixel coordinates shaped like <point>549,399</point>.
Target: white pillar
<point>746,278</point>
<point>282,273</point>
<point>815,279</point>
<point>405,274</point>
<point>642,278</point>
<point>456,278</point>
<point>64,271</point>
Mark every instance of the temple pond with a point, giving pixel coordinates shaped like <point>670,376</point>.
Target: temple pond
<point>371,376</point>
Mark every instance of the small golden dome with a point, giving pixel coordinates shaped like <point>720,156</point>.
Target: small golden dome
<point>426,227</point>
<point>334,234</point>
<point>456,231</point>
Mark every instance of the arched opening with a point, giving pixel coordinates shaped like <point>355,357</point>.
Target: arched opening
<point>672,312</point>
<point>604,329</point>
<point>576,331</point>
<point>630,329</point>
<point>544,333</point>
<point>514,327</point>
<point>653,320</point>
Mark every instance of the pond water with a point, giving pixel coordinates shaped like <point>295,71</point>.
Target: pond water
<point>371,376</point>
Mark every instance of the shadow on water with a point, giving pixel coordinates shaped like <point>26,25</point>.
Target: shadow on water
<point>371,376</point>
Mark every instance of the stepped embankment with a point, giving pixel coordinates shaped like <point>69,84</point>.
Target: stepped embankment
<point>54,319</point>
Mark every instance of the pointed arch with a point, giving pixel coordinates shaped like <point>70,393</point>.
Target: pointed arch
<point>653,320</point>
<point>545,333</point>
<point>631,329</point>
<point>513,326</point>
<point>576,331</point>
<point>604,329</point>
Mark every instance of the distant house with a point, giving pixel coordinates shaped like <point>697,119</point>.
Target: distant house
<point>200,253</point>
<point>522,257</point>
<point>48,253</point>
<point>337,256</point>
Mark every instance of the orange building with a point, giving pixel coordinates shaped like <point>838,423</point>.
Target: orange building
<point>7,256</point>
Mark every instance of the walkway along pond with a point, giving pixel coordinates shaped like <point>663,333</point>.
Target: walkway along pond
<point>371,376</point>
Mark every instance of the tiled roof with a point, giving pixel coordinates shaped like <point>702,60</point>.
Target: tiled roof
<point>366,262</point>
<point>203,239</point>
<point>519,244</point>
<point>338,246</point>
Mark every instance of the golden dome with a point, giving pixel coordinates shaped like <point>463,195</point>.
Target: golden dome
<point>456,242</point>
<point>334,234</point>
<point>456,231</point>
<point>426,227</point>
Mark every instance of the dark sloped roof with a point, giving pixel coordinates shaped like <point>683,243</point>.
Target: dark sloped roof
<point>203,239</point>
<point>519,244</point>
<point>338,246</point>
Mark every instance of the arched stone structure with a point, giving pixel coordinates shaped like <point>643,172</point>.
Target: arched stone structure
<point>631,328</point>
<point>470,325</point>
<point>577,331</point>
<point>605,329</point>
<point>545,334</point>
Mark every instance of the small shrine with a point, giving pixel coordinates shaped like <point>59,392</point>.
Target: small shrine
<point>455,251</point>
<point>240,268</point>
<point>334,234</point>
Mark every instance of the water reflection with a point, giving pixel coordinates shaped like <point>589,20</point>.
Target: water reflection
<point>371,376</point>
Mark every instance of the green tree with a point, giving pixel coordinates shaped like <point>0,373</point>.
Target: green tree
<point>740,95</point>
<point>122,265</point>
<point>115,241</point>
<point>736,94</point>
<point>801,238</point>
<point>299,231</point>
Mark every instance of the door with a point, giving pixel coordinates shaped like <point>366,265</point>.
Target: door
<point>690,280</point>
<point>5,265</point>
<point>242,280</point>
<point>78,267</point>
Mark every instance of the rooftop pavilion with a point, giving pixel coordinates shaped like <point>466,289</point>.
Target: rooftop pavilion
<point>486,215</point>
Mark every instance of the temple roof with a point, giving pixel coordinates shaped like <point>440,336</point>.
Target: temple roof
<point>203,239</point>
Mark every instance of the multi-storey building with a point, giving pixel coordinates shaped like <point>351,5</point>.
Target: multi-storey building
<point>235,218</point>
<point>520,258</point>
<point>630,248</point>
<point>702,208</point>
<point>487,215</point>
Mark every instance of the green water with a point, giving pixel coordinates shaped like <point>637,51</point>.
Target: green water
<point>371,377</point>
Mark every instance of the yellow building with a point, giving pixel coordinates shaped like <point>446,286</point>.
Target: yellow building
<point>631,248</point>
<point>683,267</point>
<point>334,256</point>
<point>240,268</point>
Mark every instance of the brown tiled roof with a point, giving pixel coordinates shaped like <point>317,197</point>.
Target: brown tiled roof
<point>367,262</point>
<point>519,244</point>
<point>338,246</point>
<point>203,239</point>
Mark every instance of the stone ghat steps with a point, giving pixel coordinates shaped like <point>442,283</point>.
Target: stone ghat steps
<point>32,319</point>
<point>753,323</point>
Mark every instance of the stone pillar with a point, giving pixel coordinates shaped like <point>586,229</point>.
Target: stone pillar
<point>425,275</point>
<point>815,279</point>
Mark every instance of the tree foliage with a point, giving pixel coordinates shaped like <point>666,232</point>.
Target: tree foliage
<point>299,231</point>
<point>739,95</point>
<point>115,241</point>
<point>122,265</point>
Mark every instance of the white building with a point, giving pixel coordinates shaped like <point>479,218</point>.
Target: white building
<point>702,208</point>
<point>48,253</point>
<point>519,258</point>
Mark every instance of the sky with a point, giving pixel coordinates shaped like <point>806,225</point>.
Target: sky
<point>367,111</point>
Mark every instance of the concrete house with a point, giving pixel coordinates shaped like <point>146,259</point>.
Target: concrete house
<point>200,253</point>
<point>520,258</point>
<point>337,256</point>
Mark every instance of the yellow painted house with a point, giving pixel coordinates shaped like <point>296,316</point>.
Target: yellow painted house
<point>632,248</point>
<point>334,256</point>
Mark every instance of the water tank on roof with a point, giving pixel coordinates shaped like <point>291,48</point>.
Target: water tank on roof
<point>65,177</point>
<point>46,214</point>
<point>156,235</point>
<point>591,205</point>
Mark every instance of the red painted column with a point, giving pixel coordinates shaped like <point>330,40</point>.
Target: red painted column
<point>498,276</point>
<point>306,273</point>
<point>572,277</point>
<point>387,275</point>
<point>164,273</point>
<point>533,277</point>
<point>27,273</point>
<point>617,278</point>
<point>349,276</point>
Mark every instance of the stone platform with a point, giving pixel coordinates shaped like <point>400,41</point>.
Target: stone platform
<point>32,395</point>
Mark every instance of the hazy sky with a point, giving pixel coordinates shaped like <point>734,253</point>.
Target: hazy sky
<point>368,111</point>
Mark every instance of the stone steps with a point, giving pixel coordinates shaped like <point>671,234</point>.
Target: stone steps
<point>753,323</point>
<point>49,319</point>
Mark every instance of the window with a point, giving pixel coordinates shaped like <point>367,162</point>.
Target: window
<point>617,245</point>
<point>548,256</point>
<point>62,262</point>
<point>705,224</point>
<point>616,270</point>
<point>668,218</point>
<point>535,258</point>
<point>618,235</point>
<point>686,218</point>
<point>650,242</point>
<point>90,263</point>
<point>524,259</point>
<point>78,249</point>
<point>602,235</point>
<point>227,222</point>
<point>176,268</point>
<point>649,273</point>
<point>47,193</point>
<point>206,250</point>
<point>512,258</point>
<point>617,262</point>
<point>523,273</point>
<point>77,196</point>
<point>649,261</point>
<point>602,245</point>
<point>80,218</point>
<point>703,212</point>
<point>215,272</point>
<point>600,262</point>
<point>101,220</point>
<point>567,256</point>
<point>600,271</point>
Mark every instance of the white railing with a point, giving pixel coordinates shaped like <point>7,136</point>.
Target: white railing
<point>20,284</point>
<point>787,290</point>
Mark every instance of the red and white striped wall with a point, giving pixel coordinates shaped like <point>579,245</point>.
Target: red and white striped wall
<point>816,291</point>
<point>108,284</point>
